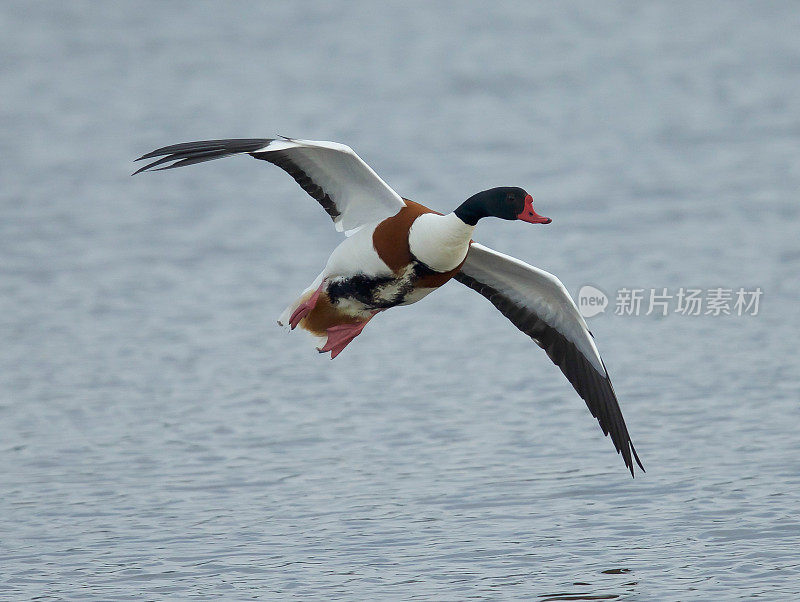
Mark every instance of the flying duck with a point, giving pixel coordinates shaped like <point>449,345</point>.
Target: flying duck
<point>396,252</point>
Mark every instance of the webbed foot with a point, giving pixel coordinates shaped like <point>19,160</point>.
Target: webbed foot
<point>305,307</point>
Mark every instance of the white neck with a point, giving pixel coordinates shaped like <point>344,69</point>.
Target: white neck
<point>440,241</point>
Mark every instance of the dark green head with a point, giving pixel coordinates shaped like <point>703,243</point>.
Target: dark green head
<point>505,202</point>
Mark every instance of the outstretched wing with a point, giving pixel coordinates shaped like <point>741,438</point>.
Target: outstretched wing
<point>538,304</point>
<point>332,173</point>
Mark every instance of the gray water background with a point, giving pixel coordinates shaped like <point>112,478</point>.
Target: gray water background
<point>161,438</point>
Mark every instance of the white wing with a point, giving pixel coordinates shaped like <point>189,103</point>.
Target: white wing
<point>332,173</point>
<point>538,304</point>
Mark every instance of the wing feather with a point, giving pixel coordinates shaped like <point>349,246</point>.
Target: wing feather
<point>333,174</point>
<point>537,303</point>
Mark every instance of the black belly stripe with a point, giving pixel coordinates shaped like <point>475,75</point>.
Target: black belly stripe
<point>367,289</point>
<point>361,288</point>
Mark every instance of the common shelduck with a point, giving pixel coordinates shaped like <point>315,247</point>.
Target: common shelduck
<point>396,252</point>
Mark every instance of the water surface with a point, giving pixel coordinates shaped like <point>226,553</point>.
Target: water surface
<point>161,438</point>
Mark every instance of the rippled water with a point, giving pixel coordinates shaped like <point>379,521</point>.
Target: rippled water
<point>161,438</point>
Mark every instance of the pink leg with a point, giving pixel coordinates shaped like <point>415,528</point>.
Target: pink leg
<point>305,307</point>
<point>340,336</point>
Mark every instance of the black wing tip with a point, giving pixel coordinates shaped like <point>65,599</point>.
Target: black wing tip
<point>614,421</point>
<point>209,149</point>
<point>629,460</point>
<point>636,457</point>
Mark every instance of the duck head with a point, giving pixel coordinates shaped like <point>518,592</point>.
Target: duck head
<point>504,202</point>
